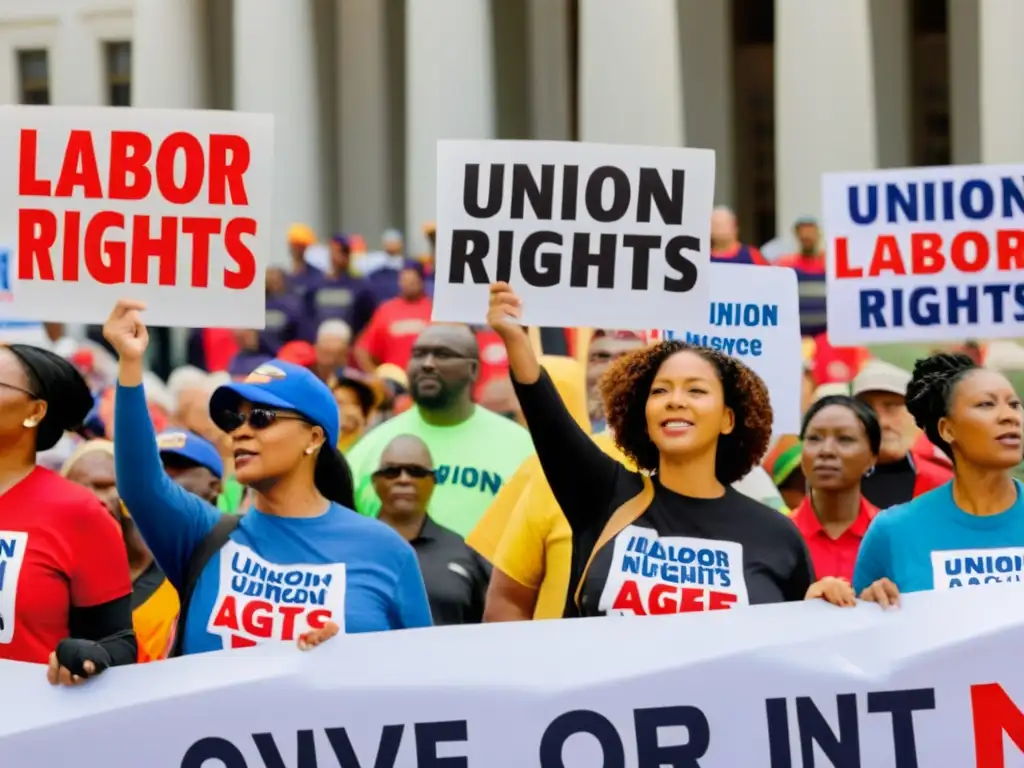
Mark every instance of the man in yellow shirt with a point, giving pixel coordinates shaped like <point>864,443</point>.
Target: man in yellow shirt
<point>524,534</point>
<point>535,550</point>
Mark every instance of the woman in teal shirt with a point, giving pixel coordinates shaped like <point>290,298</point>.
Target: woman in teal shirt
<point>967,532</point>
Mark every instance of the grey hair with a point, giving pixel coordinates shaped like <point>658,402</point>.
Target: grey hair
<point>334,328</point>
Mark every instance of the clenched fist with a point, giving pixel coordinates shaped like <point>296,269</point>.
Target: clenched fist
<point>125,330</point>
<point>504,310</point>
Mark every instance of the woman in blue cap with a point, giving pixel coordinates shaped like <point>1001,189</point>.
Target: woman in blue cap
<point>300,561</point>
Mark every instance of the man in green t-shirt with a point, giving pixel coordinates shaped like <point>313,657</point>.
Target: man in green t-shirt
<point>232,495</point>
<point>474,450</point>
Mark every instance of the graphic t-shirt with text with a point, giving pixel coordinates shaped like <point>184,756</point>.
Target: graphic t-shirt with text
<point>686,554</point>
<point>277,577</point>
<point>681,554</point>
<point>930,543</point>
<point>472,460</point>
<point>59,549</point>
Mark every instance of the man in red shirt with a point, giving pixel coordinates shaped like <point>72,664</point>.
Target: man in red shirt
<point>809,265</point>
<point>396,323</point>
<point>901,474</point>
<point>493,361</point>
<point>925,453</point>
<point>726,247</point>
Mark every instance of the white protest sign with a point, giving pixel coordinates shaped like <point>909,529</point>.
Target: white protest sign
<point>587,234</point>
<point>924,254</point>
<point>169,207</point>
<point>937,682</point>
<point>754,316</point>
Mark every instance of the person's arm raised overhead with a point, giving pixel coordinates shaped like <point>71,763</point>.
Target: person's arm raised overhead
<point>171,520</point>
<point>580,474</point>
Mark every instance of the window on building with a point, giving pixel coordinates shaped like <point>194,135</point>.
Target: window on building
<point>753,36</point>
<point>119,74</point>
<point>34,76</point>
<point>930,94</point>
<point>753,22</point>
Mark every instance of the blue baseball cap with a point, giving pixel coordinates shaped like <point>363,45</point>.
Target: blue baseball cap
<point>189,445</point>
<point>285,387</point>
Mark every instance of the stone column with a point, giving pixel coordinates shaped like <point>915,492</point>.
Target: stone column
<point>630,73</point>
<point>1001,106</point>
<point>275,72</point>
<point>168,61</point>
<point>824,100</point>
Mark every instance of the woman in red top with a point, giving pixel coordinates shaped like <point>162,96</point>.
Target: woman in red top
<point>65,589</point>
<point>841,438</point>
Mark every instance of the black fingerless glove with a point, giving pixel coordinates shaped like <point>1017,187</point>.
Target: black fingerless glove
<point>72,653</point>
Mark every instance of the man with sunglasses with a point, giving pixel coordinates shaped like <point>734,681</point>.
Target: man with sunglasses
<point>455,576</point>
<point>606,346</point>
<point>475,450</point>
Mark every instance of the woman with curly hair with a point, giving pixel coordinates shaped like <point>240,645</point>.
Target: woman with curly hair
<point>674,537</point>
<point>969,531</point>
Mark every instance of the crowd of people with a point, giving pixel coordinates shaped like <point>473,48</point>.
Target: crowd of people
<point>354,467</point>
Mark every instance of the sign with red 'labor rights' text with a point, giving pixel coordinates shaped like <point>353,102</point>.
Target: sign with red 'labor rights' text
<point>169,207</point>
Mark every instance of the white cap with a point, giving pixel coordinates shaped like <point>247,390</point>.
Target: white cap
<point>334,328</point>
<point>184,378</point>
<point>834,388</point>
<point>1005,356</point>
<point>880,376</point>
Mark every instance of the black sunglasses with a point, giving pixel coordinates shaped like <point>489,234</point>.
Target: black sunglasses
<point>415,471</point>
<point>258,418</point>
<point>440,354</point>
<point>24,391</point>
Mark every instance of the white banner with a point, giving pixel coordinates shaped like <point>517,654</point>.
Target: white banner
<point>924,254</point>
<point>932,684</point>
<point>592,235</point>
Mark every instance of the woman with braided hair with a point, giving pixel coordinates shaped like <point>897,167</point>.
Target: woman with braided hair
<point>969,531</point>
